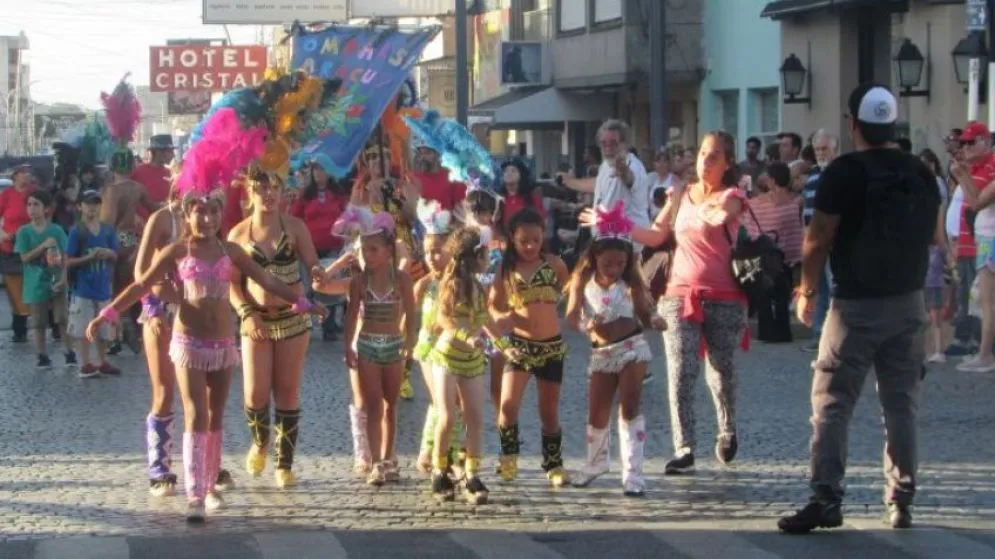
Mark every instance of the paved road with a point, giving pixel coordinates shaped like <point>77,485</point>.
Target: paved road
<point>71,466</point>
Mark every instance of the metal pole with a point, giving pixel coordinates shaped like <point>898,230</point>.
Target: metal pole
<point>462,64</point>
<point>973,89</point>
<point>658,74</point>
<point>19,136</point>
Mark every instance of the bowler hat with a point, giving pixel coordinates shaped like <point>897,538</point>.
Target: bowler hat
<point>161,141</point>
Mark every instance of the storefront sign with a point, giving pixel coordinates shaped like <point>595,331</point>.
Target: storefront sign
<point>275,12</point>
<point>205,68</point>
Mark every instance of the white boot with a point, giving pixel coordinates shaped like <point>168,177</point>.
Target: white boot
<point>363,459</point>
<point>632,442</point>
<point>598,442</point>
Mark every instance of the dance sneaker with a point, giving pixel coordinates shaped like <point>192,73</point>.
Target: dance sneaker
<point>407,390</point>
<point>442,486</point>
<point>898,516</point>
<point>284,478</point>
<point>163,487</point>
<point>214,501</point>
<point>114,347</point>
<point>195,512</point>
<point>474,491</point>
<point>255,461</point>
<point>44,362</point>
<point>109,370</point>
<point>725,449</point>
<point>376,476</point>
<point>679,465</point>
<point>508,467</point>
<point>391,473</point>
<point>633,489</point>
<point>558,477</point>
<point>89,371</point>
<point>71,361</point>
<point>224,482</point>
<point>816,514</point>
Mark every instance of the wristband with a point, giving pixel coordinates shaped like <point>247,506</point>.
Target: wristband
<point>502,343</point>
<point>303,305</point>
<point>109,314</point>
<point>462,335</point>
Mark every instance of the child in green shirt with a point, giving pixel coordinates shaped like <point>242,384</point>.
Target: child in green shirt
<point>42,245</point>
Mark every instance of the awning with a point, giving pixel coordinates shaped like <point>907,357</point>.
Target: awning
<point>781,9</point>
<point>537,108</point>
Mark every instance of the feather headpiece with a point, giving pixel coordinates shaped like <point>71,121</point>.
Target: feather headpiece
<point>433,218</point>
<point>123,112</point>
<point>613,223</point>
<point>458,149</point>
<point>359,221</point>
<point>225,148</point>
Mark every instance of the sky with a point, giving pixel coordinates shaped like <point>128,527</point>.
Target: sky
<point>79,48</point>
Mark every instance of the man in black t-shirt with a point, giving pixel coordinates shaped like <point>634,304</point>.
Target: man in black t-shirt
<point>877,211</point>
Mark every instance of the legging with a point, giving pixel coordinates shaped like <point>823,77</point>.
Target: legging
<point>722,329</point>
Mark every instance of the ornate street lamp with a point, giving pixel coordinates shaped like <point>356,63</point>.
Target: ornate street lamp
<point>969,47</point>
<point>910,63</point>
<point>794,78</point>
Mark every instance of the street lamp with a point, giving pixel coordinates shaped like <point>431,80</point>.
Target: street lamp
<point>972,46</point>
<point>910,63</point>
<point>794,78</point>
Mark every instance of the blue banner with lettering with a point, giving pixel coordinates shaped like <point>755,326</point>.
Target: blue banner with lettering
<point>372,62</point>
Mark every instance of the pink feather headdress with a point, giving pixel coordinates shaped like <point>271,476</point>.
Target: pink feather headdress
<point>123,112</point>
<point>359,221</point>
<point>224,150</point>
<point>613,223</point>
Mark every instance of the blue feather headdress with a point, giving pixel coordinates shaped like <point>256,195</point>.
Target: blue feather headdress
<point>459,151</point>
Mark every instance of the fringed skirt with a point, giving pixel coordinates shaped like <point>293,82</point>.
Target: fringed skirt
<point>612,358</point>
<point>202,354</point>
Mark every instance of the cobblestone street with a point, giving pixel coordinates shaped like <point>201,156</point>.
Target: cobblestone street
<point>72,466</point>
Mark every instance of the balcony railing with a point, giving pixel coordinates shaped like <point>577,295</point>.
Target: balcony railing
<point>537,25</point>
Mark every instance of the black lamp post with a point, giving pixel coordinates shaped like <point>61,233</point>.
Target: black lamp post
<point>910,63</point>
<point>972,46</point>
<point>794,78</point>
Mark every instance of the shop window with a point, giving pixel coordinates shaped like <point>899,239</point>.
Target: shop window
<point>728,105</point>
<point>571,15</point>
<point>766,114</point>
<point>607,11</point>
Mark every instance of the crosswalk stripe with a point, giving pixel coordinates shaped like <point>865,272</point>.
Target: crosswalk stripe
<point>83,548</point>
<point>925,541</point>
<point>702,540</point>
<point>300,545</point>
<point>502,545</point>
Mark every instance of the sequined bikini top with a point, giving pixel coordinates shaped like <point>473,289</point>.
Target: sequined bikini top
<point>380,308</point>
<point>429,299</point>
<point>542,287</point>
<point>204,280</point>
<point>283,264</point>
<point>476,314</point>
<point>611,304</point>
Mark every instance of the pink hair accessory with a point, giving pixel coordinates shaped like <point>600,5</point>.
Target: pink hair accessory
<point>109,314</point>
<point>382,223</point>
<point>302,306</point>
<point>613,223</point>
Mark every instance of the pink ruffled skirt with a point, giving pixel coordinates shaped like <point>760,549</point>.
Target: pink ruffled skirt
<point>203,354</point>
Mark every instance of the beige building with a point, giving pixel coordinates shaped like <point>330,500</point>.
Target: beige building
<point>845,42</point>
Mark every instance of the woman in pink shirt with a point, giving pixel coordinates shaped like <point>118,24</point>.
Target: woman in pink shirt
<point>704,309</point>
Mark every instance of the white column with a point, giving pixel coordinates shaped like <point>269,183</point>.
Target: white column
<point>974,81</point>
<point>991,94</point>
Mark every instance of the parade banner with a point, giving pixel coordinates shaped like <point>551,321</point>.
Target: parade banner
<point>372,63</point>
<point>205,67</point>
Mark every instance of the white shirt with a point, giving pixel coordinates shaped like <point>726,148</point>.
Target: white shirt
<point>609,189</point>
<point>953,213</point>
<point>653,181</point>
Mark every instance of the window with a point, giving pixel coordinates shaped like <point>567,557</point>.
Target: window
<point>767,111</point>
<point>572,14</point>
<point>728,105</point>
<point>607,10</point>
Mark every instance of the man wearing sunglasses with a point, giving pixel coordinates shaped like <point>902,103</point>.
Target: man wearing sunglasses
<point>974,171</point>
<point>960,219</point>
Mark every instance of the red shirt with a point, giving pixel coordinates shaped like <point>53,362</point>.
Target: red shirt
<point>319,214</point>
<point>234,197</point>
<point>514,203</point>
<point>155,179</point>
<point>14,213</point>
<point>437,186</point>
<point>965,240</point>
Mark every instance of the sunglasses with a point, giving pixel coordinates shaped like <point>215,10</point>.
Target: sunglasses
<point>965,143</point>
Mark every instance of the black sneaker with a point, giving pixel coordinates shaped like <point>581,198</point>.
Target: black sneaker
<point>474,491</point>
<point>442,487</point>
<point>44,362</point>
<point>816,514</point>
<point>114,348</point>
<point>71,359</point>
<point>899,516</point>
<point>725,449</point>
<point>679,465</point>
<point>20,339</point>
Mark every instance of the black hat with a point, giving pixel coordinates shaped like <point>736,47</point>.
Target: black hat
<point>161,141</point>
<point>91,196</point>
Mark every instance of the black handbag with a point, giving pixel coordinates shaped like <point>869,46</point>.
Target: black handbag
<point>755,263</point>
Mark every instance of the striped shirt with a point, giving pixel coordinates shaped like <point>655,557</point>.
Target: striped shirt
<point>781,222</point>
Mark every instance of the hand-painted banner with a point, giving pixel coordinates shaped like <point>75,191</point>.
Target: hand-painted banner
<point>372,62</point>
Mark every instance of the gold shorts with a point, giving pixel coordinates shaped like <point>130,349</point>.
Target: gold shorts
<point>282,324</point>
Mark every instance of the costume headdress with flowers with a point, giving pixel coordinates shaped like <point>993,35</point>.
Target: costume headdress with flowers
<point>122,114</point>
<point>613,223</point>
<point>434,219</point>
<point>359,221</point>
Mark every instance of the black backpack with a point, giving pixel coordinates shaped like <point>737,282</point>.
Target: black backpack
<point>756,263</point>
<point>891,247</point>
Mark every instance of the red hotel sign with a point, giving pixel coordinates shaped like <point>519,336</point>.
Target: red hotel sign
<point>205,67</point>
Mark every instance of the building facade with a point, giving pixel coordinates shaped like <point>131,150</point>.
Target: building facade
<point>15,111</point>
<point>741,90</point>
<point>845,42</point>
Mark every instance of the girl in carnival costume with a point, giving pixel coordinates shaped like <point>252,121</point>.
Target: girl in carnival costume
<point>380,333</point>
<point>275,339</point>
<point>202,347</point>
<point>608,291</point>
<point>525,296</point>
<point>459,362</point>
<point>436,223</point>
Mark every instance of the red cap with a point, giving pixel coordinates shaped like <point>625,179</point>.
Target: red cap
<point>973,131</point>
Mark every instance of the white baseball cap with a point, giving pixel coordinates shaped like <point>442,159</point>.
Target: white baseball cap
<point>875,109</point>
